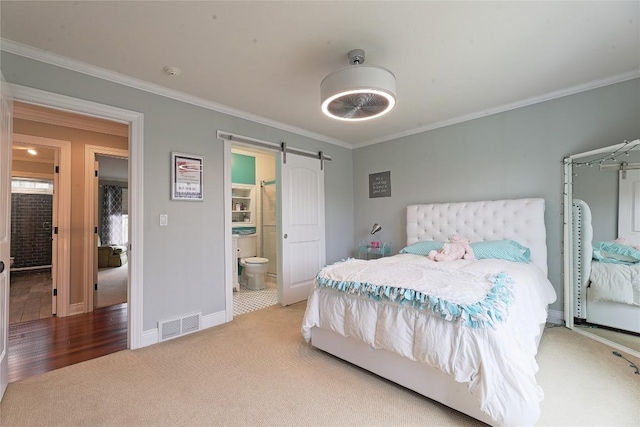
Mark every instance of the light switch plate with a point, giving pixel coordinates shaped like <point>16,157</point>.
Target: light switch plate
<point>164,220</point>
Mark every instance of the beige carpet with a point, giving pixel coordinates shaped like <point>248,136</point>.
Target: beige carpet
<point>112,285</point>
<point>257,371</point>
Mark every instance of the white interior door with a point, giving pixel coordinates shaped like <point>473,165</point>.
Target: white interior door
<point>302,234</point>
<point>629,206</point>
<point>5,228</point>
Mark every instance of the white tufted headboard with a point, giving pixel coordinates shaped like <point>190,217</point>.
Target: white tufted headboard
<point>521,220</point>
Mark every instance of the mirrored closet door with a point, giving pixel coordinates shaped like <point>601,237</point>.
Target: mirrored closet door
<point>602,245</point>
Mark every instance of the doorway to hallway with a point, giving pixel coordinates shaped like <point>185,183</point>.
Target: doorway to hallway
<point>40,341</point>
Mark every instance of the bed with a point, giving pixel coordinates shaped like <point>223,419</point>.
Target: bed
<point>606,294</point>
<point>486,371</point>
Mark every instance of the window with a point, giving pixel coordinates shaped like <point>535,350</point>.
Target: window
<point>125,215</point>
<point>125,228</point>
<point>31,186</point>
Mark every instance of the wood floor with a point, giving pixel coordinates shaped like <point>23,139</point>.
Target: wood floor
<point>44,345</point>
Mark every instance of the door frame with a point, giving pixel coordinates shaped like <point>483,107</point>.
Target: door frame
<point>63,194</point>
<point>228,244</point>
<point>6,125</point>
<point>135,121</point>
<point>229,139</point>
<point>90,214</point>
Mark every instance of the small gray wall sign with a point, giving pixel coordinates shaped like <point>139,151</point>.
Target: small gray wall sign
<point>380,184</point>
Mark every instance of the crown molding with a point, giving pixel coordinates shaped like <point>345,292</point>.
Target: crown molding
<point>50,58</point>
<point>81,67</point>
<point>59,118</point>
<point>594,84</point>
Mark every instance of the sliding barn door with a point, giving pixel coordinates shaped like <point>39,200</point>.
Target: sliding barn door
<point>5,228</point>
<point>302,234</point>
<point>629,206</point>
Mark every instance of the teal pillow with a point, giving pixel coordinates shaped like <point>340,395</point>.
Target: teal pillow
<point>422,248</point>
<point>615,252</point>
<point>501,249</point>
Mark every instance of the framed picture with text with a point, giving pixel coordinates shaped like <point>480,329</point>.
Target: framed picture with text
<point>187,173</point>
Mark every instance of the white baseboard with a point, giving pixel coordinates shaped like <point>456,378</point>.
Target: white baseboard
<point>77,308</point>
<point>214,319</point>
<point>150,336</point>
<point>556,317</point>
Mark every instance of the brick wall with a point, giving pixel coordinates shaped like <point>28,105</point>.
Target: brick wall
<point>31,229</point>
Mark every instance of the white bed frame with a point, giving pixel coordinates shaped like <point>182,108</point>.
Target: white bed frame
<point>521,220</point>
<point>604,313</point>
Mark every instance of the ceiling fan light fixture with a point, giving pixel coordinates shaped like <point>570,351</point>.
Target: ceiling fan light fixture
<point>358,92</point>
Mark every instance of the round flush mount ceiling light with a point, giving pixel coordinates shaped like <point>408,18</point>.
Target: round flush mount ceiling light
<point>358,92</point>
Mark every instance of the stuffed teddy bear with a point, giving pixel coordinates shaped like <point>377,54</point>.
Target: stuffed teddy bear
<point>456,248</point>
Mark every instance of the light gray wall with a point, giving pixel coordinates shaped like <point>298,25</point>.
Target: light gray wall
<point>599,189</point>
<point>183,263</point>
<point>513,154</point>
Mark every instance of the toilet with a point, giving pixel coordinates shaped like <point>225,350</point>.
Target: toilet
<point>254,268</point>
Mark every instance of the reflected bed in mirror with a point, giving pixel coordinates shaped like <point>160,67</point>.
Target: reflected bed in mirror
<point>602,238</point>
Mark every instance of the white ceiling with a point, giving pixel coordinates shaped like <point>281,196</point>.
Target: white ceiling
<point>265,60</point>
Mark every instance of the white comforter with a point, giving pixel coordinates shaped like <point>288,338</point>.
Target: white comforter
<point>498,364</point>
<point>615,282</point>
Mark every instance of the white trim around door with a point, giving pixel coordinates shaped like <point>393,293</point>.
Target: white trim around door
<point>6,124</point>
<point>229,258</point>
<point>135,121</point>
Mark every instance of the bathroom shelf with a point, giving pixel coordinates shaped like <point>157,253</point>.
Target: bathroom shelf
<point>243,194</point>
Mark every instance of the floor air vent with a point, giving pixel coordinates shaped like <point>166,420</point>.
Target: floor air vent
<point>173,328</point>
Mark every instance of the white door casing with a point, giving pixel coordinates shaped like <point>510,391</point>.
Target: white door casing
<point>94,258</point>
<point>135,121</point>
<point>5,228</point>
<point>54,235</point>
<point>629,206</point>
<point>301,226</point>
